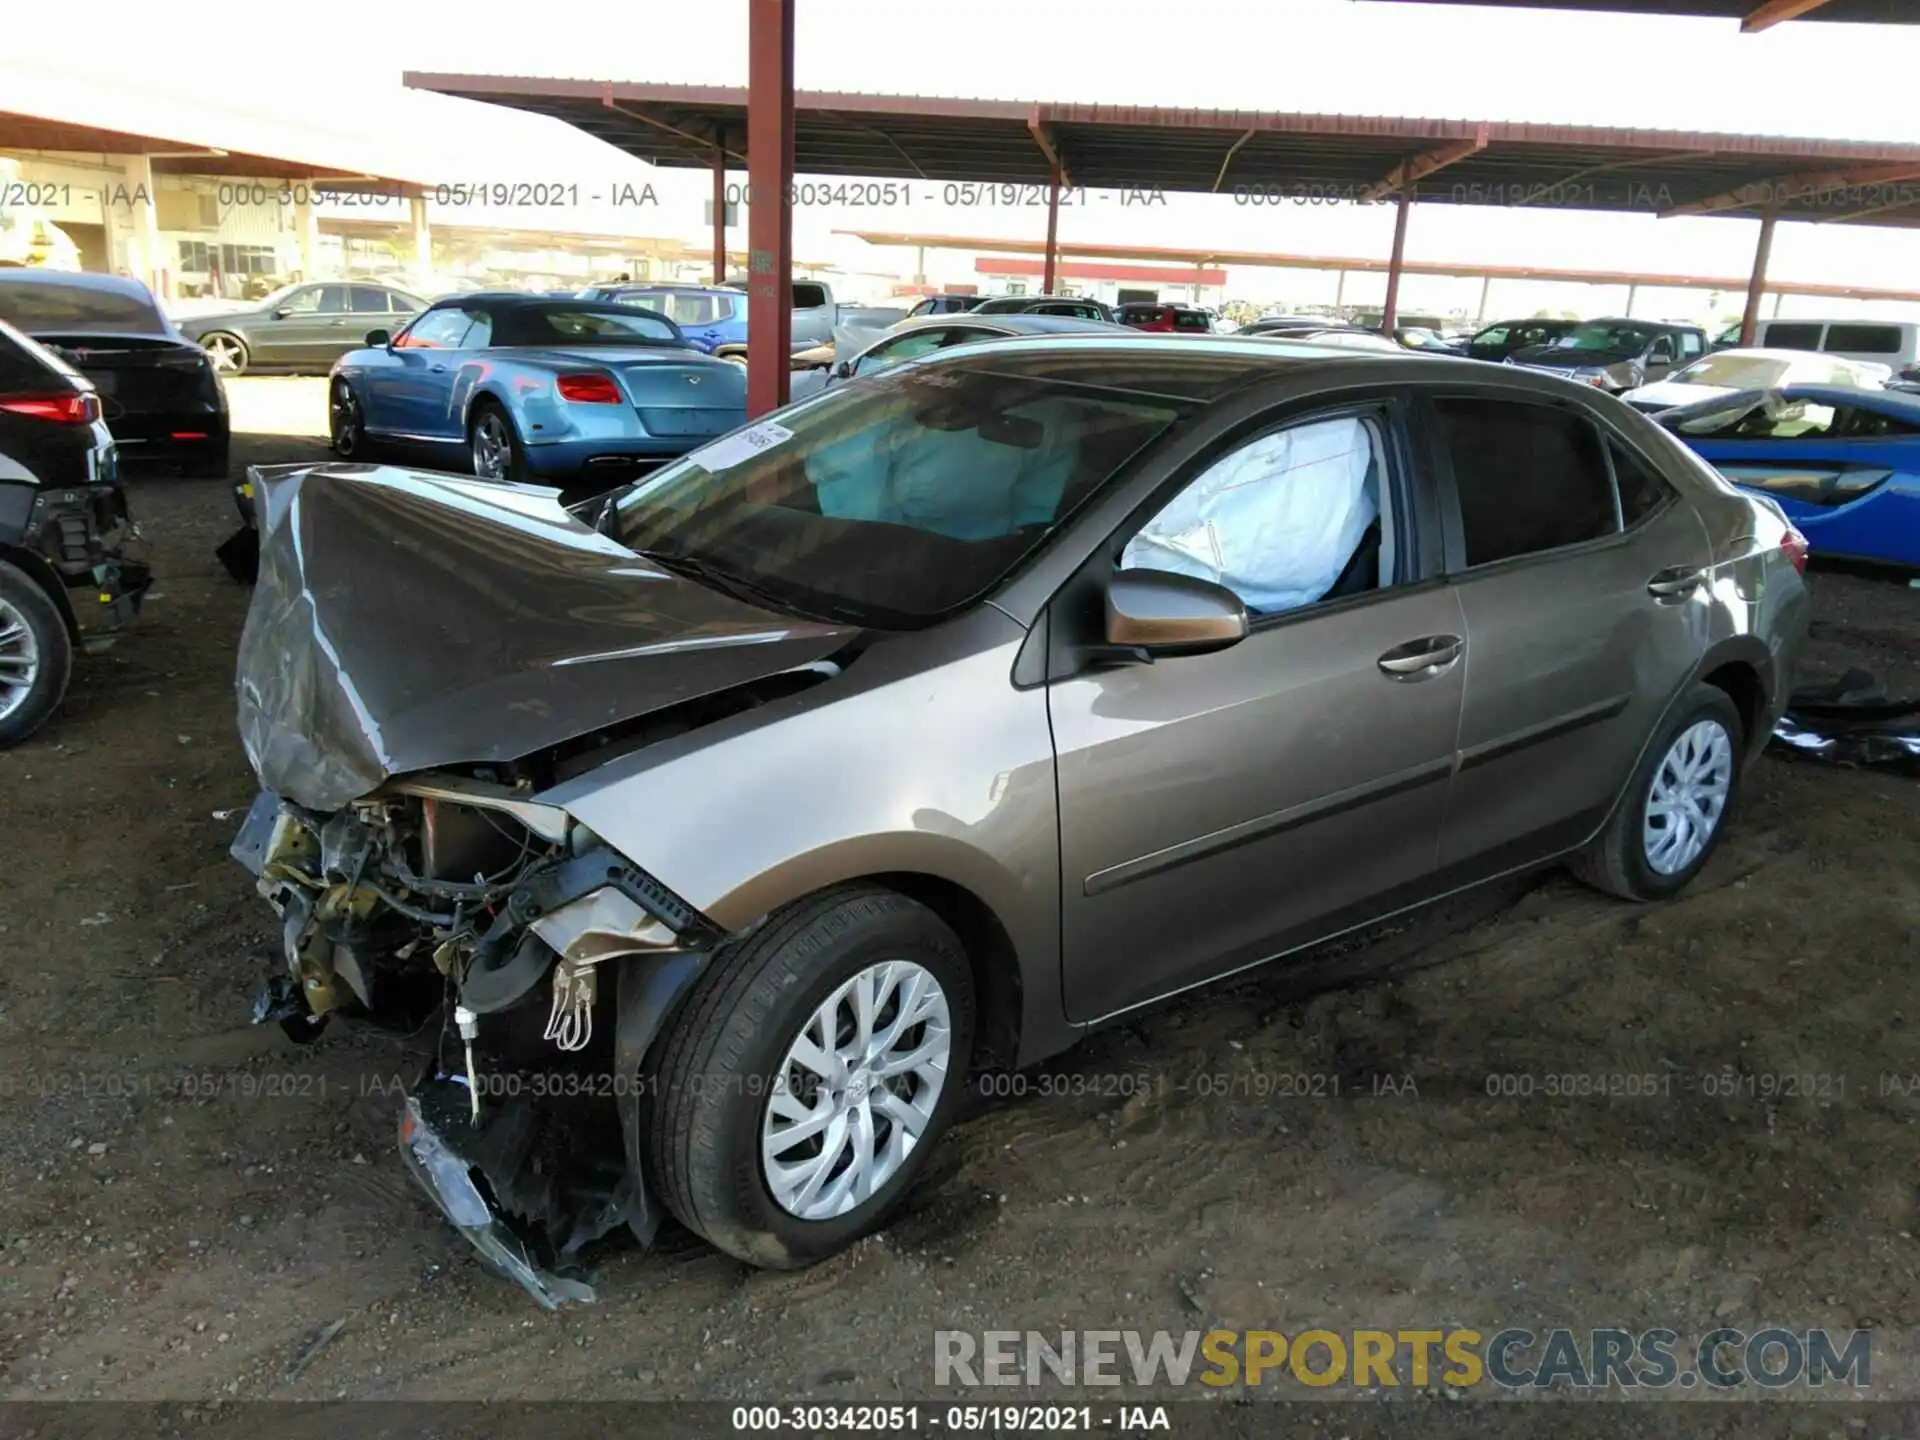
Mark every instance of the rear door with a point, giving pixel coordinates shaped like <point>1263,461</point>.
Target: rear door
<point>1218,809</point>
<point>1580,575</point>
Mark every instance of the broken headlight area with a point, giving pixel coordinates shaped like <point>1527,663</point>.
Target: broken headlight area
<point>461,904</point>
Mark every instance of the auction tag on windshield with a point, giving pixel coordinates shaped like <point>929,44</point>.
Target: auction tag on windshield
<point>741,445</point>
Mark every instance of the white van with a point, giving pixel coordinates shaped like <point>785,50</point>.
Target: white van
<point>1895,343</point>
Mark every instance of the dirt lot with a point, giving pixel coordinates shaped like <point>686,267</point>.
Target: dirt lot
<point>189,1200</point>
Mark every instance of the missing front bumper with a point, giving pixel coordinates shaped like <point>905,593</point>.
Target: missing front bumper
<point>448,1178</point>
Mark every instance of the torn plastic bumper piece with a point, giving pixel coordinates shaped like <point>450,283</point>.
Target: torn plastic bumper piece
<point>448,1180</point>
<point>1851,721</point>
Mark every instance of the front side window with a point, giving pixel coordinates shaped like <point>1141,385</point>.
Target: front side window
<point>906,347</point>
<point>1530,478</point>
<point>1191,320</point>
<point>894,500</point>
<point>1287,520</point>
<point>1489,338</point>
<point>1752,415</point>
<point>436,330</point>
<point>1691,344</point>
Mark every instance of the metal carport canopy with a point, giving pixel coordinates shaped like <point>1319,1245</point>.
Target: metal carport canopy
<point>1121,147</point>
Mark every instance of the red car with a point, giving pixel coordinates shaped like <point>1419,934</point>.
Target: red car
<point>1165,319</point>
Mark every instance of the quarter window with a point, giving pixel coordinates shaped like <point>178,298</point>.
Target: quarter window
<point>1530,478</point>
<point>1641,491</point>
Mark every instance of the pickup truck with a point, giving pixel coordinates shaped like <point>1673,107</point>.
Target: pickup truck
<point>714,317</point>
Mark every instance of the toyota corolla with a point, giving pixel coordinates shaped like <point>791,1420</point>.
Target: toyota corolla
<point>736,822</point>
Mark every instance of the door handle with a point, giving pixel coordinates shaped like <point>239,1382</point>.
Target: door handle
<point>1670,587</point>
<point>439,369</point>
<point>1421,659</point>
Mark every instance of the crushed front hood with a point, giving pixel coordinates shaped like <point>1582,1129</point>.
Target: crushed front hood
<point>405,620</point>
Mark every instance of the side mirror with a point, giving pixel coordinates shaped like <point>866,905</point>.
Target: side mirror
<point>283,312</point>
<point>378,338</point>
<point>844,370</point>
<point>1156,612</point>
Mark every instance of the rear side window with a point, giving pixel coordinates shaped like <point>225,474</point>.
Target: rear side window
<point>1864,339</point>
<point>1530,477</point>
<point>1785,335</point>
<point>1189,320</point>
<point>808,296</point>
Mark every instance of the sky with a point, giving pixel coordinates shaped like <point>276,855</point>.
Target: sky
<point>290,64</point>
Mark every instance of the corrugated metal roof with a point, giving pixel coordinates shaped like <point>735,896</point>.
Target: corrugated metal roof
<point>1260,156</point>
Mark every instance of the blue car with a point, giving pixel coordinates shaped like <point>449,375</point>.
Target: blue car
<point>1843,463</point>
<point>712,317</point>
<point>575,393</point>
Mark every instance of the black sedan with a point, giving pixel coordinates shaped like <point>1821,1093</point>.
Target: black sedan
<point>301,327</point>
<point>157,389</point>
<point>1496,342</point>
<point>66,581</point>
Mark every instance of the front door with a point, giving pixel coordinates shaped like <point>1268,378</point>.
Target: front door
<point>308,329</point>
<point>1218,809</point>
<point>1582,579</point>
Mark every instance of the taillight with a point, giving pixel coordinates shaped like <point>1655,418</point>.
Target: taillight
<point>589,387</point>
<point>1794,546</point>
<point>66,409</point>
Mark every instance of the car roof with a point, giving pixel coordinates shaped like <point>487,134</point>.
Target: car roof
<point>76,280</point>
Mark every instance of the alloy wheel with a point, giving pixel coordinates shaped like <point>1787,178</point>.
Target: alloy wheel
<point>228,357</point>
<point>345,413</point>
<point>1688,797</point>
<point>19,659</point>
<point>856,1090</point>
<point>492,446</point>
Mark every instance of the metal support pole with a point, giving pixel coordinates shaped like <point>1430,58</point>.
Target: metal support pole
<point>421,265</point>
<point>1053,232</point>
<point>720,209</point>
<point>1391,314</point>
<point>1633,292</point>
<point>769,202</point>
<point>1340,293</point>
<point>1757,285</point>
<point>1480,316</point>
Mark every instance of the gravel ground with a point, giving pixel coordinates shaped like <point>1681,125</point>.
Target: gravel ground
<point>190,1200</point>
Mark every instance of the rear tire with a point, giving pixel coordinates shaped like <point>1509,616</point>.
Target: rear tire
<point>1674,810</point>
<point>36,655</point>
<point>731,1102</point>
<point>493,445</point>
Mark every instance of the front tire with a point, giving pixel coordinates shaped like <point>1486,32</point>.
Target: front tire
<point>1674,811</point>
<point>808,1075</point>
<point>228,352</point>
<point>36,655</point>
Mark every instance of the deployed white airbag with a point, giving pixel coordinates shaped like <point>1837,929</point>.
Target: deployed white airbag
<point>1275,522</point>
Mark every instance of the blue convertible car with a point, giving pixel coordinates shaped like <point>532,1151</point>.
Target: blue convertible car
<point>577,393</point>
<point>1843,463</point>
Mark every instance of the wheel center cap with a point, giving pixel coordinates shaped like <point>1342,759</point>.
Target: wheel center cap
<point>858,1085</point>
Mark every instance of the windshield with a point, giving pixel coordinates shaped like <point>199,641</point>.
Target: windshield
<point>1736,372</point>
<point>570,325</point>
<point>274,297</point>
<point>1626,339</point>
<point>891,501</point>
<point>52,308</point>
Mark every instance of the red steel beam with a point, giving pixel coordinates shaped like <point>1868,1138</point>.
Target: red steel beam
<point>1053,231</point>
<point>1646,279</point>
<point>1773,12</point>
<point>1793,187</point>
<point>719,209</point>
<point>1408,173</point>
<point>769,202</point>
<point>1390,312</point>
<point>1756,286</point>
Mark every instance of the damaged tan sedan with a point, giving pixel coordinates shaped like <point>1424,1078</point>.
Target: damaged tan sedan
<point>731,824</point>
